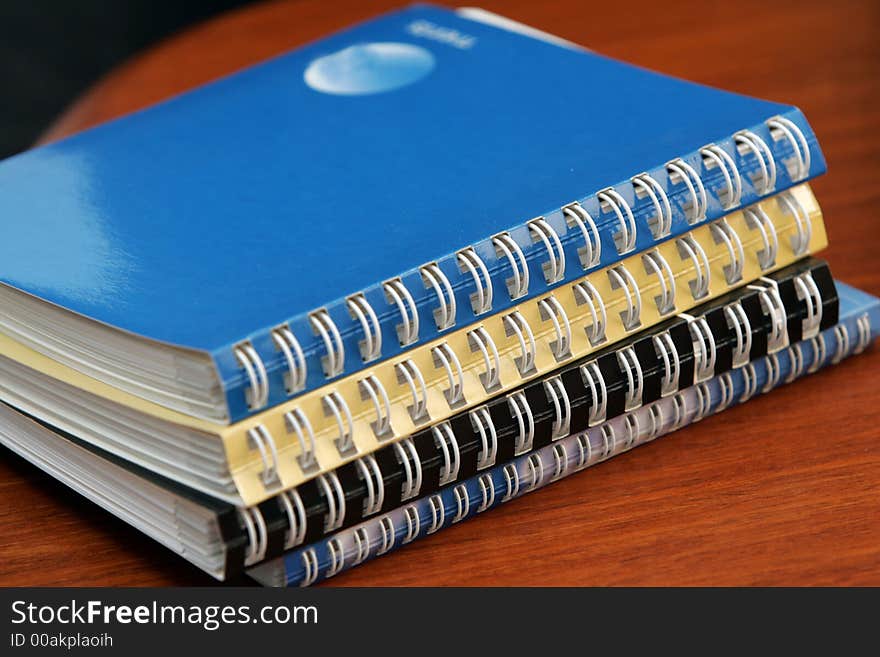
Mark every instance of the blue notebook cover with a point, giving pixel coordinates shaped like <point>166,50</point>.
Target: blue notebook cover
<point>382,534</point>
<point>254,201</point>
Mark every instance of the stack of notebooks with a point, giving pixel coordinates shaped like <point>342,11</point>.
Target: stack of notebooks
<point>323,308</point>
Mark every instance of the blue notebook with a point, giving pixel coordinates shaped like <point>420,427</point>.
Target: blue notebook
<point>270,232</point>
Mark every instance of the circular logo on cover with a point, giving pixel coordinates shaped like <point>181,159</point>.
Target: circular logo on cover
<point>369,68</point>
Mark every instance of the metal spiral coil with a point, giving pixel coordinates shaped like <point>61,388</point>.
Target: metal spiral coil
<point>661,223</point>
<point>748,142</point>
<point>625,238</point>
<point>782,128</point>
<point>715,156</point>
<point>518,284</point>
<point>481,299</point>
<point>681,171</point>
<point>576,216</point>
<point>554,268</point>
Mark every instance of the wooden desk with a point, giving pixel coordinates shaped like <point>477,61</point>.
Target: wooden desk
<point>784,490</point>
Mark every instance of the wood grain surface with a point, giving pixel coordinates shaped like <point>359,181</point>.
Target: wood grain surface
<point>783,490</point>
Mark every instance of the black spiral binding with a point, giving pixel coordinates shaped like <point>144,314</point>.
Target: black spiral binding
<point>628,374</point>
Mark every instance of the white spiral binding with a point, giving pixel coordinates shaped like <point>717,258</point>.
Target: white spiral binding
<point>661,223</point>
<point>633,429</point>
<point>258,535</point>
<point>656,264</point>
<point>782,128</point>
<point>585,451</point>
<point>701,403</point>
<point>796,356</point>
<point>408,457</point>
<point>438,513</point>
<point>717,156</point>
<point>518,284</point>
<point>800,243</point>
<point>772,305</point>
<point>386,526</point>
<point>487,492</point>
<point>863,323</point>
<point>739,322</point>
<point>482,423</point>
<point>748,142</point>
<point>725,382</point>
<point>576,216</point>
<point>408,329</point>
<point>295,421</point>
<point>625,238</point>
<point>444,357</point>
<point>657,420</point>
<point>609,441</point>
<point>335,405</point>
<point>334,362</point>
<point>257,394</point>
<point>462,503</point>
<point>310,566</point>
<point>413,523</point>
<point>819,353</point>
<point>594,380</point>
<point>374,389</point>
<point>371,475</point>
<point>362,545</point>
<point>469,261</point>
<point>700,396</point>
<point>688,247</point>
<point>360,309</point>
<point>551,309</point>
<point>705,350</point>
<point>808,292</point>
<point>586,294</point>
<point>750,382</point>
<point>560,461</point>
<point>337,557</point>
<point>554,268</point>
<point>481,341</point>
<point>621,278</point>
<point>704,401</point>
<point>665,348</point>
<point>433,277</point>
<point>757,218</point>
<point>287,344</point>
<point>536,471</point>
<point>699,202</point>
<point>842,335</point>
<point>722,232</point>
<point>679,409</point>
<point>260,438</point>
<point>773,373</point>
<point>558,396</point>
<point>408,372</point>
<point>296,518</point>
<point>511,481</point>
<point>444,438</point>
<point>634,377</point>
<point>516,324</point>
<point>335,496</point>
<point>525,420</point>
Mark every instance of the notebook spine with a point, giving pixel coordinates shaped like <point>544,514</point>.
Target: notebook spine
<point>386,319</point>
<point>724,334</point>
<point>320,430</point>
<point>432,512</point>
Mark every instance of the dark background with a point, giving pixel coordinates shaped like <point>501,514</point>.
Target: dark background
<point>52,50</point>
